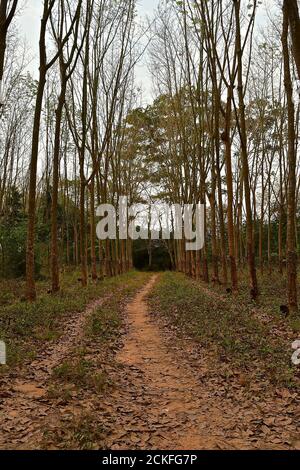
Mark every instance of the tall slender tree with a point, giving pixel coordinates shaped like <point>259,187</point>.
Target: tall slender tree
<point>292,157</point>
<point>7,12</point>
<point>45,66</point>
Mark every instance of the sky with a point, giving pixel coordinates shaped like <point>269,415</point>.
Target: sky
<point>29,26</point>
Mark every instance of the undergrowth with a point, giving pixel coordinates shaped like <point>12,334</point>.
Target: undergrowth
<point>225,324</point>
<point>24,326</point>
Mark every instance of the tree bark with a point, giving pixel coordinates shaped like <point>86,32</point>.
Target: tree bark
<point>292,12</point>
<point>227,141</point>
<point>54,206</point>
<point>30,262</point>
<point>244,155</point>
<point>5,20</point>
<point>291,229</point>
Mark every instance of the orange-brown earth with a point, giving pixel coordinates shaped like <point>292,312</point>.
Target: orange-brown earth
<point>161,394</point>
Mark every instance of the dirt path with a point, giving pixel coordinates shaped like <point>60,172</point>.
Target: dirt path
<point>169,394</point>
<point>164,393</point>
<point>171,389</point>
<point>167,407</point>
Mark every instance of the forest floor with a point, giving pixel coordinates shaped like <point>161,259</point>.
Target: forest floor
<point>150,362</point>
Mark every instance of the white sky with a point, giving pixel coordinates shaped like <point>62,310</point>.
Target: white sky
<point>29,26</point>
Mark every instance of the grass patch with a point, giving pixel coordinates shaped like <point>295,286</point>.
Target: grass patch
<point>272,292</point>
<point>104,321</point>
<point>64,394</point>
<point>295,324</point>
<point>86,433</point>
<point>80,373</point>
<point>76,372</point>
<point>225,324</point>
<point>25,326</point>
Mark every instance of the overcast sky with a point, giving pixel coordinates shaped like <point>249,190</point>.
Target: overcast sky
<point>29,26</point>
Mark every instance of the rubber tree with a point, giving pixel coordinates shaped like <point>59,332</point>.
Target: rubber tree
<point>44,66</point>
<point>292,14</point>
<point>67,64</point>
<point>292,158</point>
<point>7,12</point>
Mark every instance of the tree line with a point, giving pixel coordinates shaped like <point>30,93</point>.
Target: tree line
<point>222,130</point>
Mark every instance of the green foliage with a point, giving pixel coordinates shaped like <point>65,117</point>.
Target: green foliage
<point>13,248</point>
<point>13,235</point>
<point>85,434</point>
<point>105,321</point>
<point>76,372</point>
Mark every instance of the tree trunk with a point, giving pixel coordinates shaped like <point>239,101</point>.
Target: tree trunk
<point>291,197</point>
<point>30,262</point>
<point>54,206</point>
<point>227,140</point>
<point>292,12</point>
<point>5,20</point>
<point>93,230</point>
<point>82,235</point>
<point>244,154</point>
